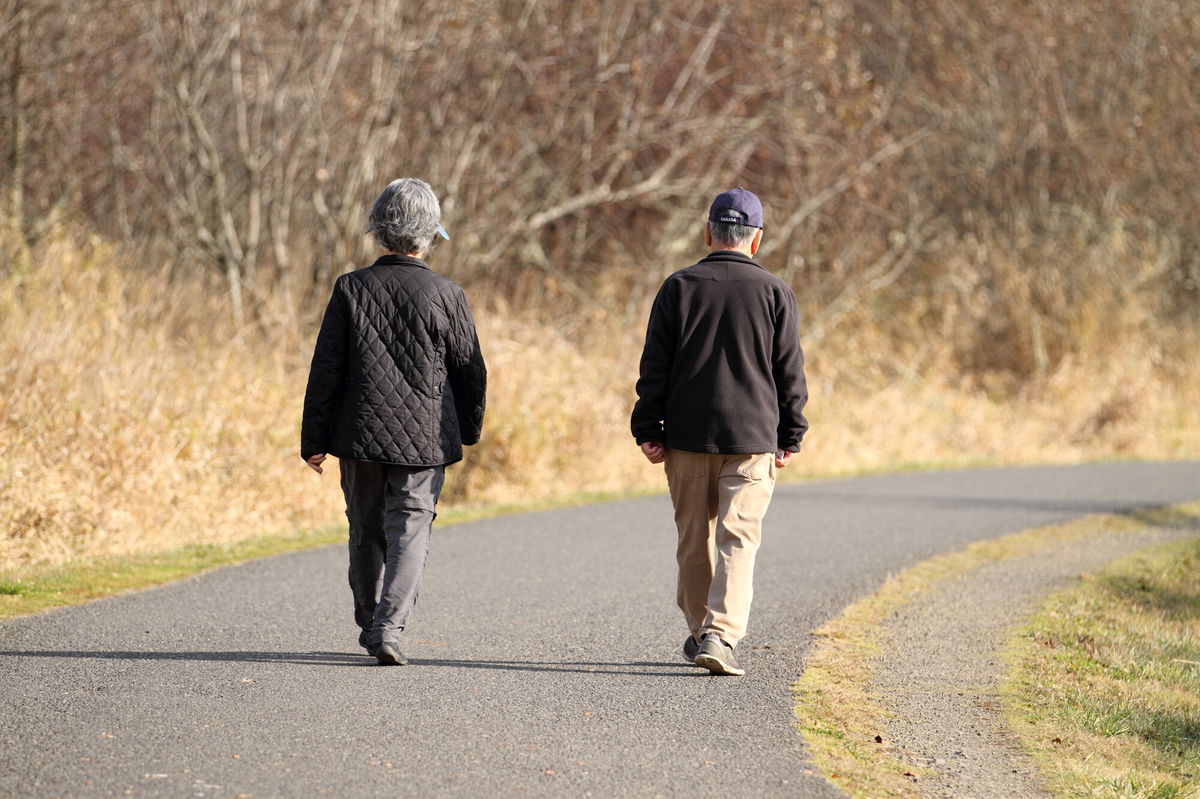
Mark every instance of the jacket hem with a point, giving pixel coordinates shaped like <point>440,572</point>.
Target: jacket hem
<point>405,464</point>
<point>715,449</point>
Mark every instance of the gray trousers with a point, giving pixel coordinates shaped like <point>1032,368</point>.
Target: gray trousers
<point>391,511</point>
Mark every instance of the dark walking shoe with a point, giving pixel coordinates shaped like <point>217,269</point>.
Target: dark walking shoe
<point>691,647</point>
<point>717,656</point>
<point>362,641</point>
<point>388,654</point>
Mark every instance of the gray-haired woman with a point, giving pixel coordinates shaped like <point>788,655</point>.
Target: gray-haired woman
<point>396,388</point>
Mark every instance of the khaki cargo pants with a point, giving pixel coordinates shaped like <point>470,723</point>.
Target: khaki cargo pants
<point>720,501</point>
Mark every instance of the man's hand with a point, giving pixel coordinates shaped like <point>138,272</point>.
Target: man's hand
<point>783,458</point>
<point>315,462</point>
<point>654,451</point>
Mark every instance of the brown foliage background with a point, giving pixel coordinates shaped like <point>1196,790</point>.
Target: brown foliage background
<point>569,140</point>
<point>987,211</point>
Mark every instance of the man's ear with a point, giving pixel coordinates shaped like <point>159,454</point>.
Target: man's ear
<point>756,242</point>
<point>707,235</point>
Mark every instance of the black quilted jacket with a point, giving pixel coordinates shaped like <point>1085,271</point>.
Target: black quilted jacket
<point>397,375</point>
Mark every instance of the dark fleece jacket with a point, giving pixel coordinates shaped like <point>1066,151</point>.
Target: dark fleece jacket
<point>722,370</point>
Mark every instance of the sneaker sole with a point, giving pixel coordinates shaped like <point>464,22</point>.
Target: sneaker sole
<point>718,666</point>
<point>389,657</point>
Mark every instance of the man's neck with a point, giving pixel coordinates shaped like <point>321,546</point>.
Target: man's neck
<point>727,248</point>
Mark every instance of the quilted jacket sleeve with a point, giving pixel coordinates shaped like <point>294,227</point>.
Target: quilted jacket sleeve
<point>465,368</point>
<point>326,378</point>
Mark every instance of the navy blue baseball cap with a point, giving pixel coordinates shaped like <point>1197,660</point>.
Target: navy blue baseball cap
<point>737,206</point>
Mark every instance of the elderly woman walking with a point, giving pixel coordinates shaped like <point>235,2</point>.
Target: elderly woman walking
<point>395,390</point>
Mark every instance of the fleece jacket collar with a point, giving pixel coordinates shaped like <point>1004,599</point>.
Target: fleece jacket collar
<point>730,255</point>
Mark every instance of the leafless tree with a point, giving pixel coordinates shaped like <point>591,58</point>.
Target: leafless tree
<point>574,144</point>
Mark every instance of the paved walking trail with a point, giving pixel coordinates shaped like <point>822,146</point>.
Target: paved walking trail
<point>545,651</point>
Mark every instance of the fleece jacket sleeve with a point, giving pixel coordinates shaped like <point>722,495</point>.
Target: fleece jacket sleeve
<point>788,370</point>
<point>658,356</point>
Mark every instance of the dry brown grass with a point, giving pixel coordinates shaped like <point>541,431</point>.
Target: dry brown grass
<point>133,418</point>
<point>559,395</point>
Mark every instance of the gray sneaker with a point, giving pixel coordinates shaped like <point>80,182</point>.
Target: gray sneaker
<point>388,654</point>
<point>717,656</point>
<point>691,647</point>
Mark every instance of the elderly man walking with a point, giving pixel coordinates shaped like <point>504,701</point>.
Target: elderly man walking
<point>395,390</point>
<point>720,400</point>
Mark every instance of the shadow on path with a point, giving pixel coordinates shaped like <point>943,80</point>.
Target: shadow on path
<point>635,668</point>
<point>301,658</point>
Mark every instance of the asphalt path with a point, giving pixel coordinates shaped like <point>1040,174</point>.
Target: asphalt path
<point>545,654</point>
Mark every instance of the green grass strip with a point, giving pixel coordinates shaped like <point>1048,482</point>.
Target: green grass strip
<point>1104,681</point>
<point>40,588</point>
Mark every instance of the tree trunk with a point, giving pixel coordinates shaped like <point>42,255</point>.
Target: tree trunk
<point>233,276</point>
<point>17,146</point>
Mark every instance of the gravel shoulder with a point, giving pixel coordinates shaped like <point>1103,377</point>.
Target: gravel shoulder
<point>940,666</point>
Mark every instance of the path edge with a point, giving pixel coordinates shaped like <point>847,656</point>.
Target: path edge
<point>841,718</point>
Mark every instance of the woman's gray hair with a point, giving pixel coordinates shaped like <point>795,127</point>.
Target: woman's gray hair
<point>731,234</point>
<point>405,217</point>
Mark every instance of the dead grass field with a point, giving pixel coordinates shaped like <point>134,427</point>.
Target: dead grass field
<point>135,419</point>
